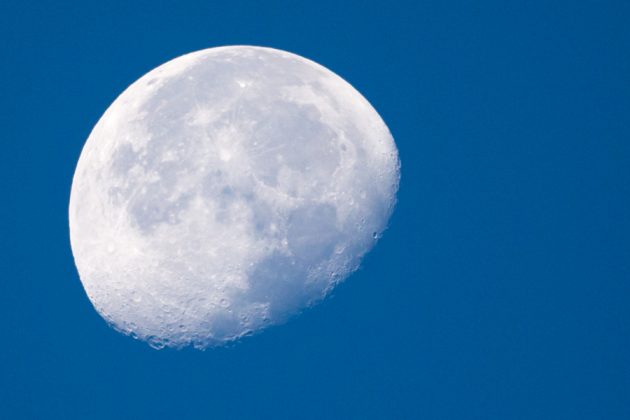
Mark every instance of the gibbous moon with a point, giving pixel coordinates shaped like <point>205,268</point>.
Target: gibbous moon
<point>225,191</point>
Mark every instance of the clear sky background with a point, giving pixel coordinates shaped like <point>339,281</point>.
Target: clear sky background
<point>501,289</point>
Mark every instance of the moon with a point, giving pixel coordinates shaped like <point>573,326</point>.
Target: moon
<point>225,191</point>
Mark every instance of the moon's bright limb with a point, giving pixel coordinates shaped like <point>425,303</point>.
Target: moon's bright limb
<point>226,190</point>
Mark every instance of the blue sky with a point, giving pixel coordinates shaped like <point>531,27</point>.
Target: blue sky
<point>500,290</point>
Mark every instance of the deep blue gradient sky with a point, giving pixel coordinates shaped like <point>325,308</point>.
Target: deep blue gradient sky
<point>501,289</point>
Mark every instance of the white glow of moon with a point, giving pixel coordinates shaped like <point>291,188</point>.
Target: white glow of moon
<point>225,191</point>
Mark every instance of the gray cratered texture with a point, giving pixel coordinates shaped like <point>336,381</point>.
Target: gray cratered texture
<point>226,190</point>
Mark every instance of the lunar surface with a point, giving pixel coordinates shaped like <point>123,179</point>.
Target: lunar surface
<point>225,191</point>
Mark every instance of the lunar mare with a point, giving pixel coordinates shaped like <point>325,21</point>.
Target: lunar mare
<point>226,190</point>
